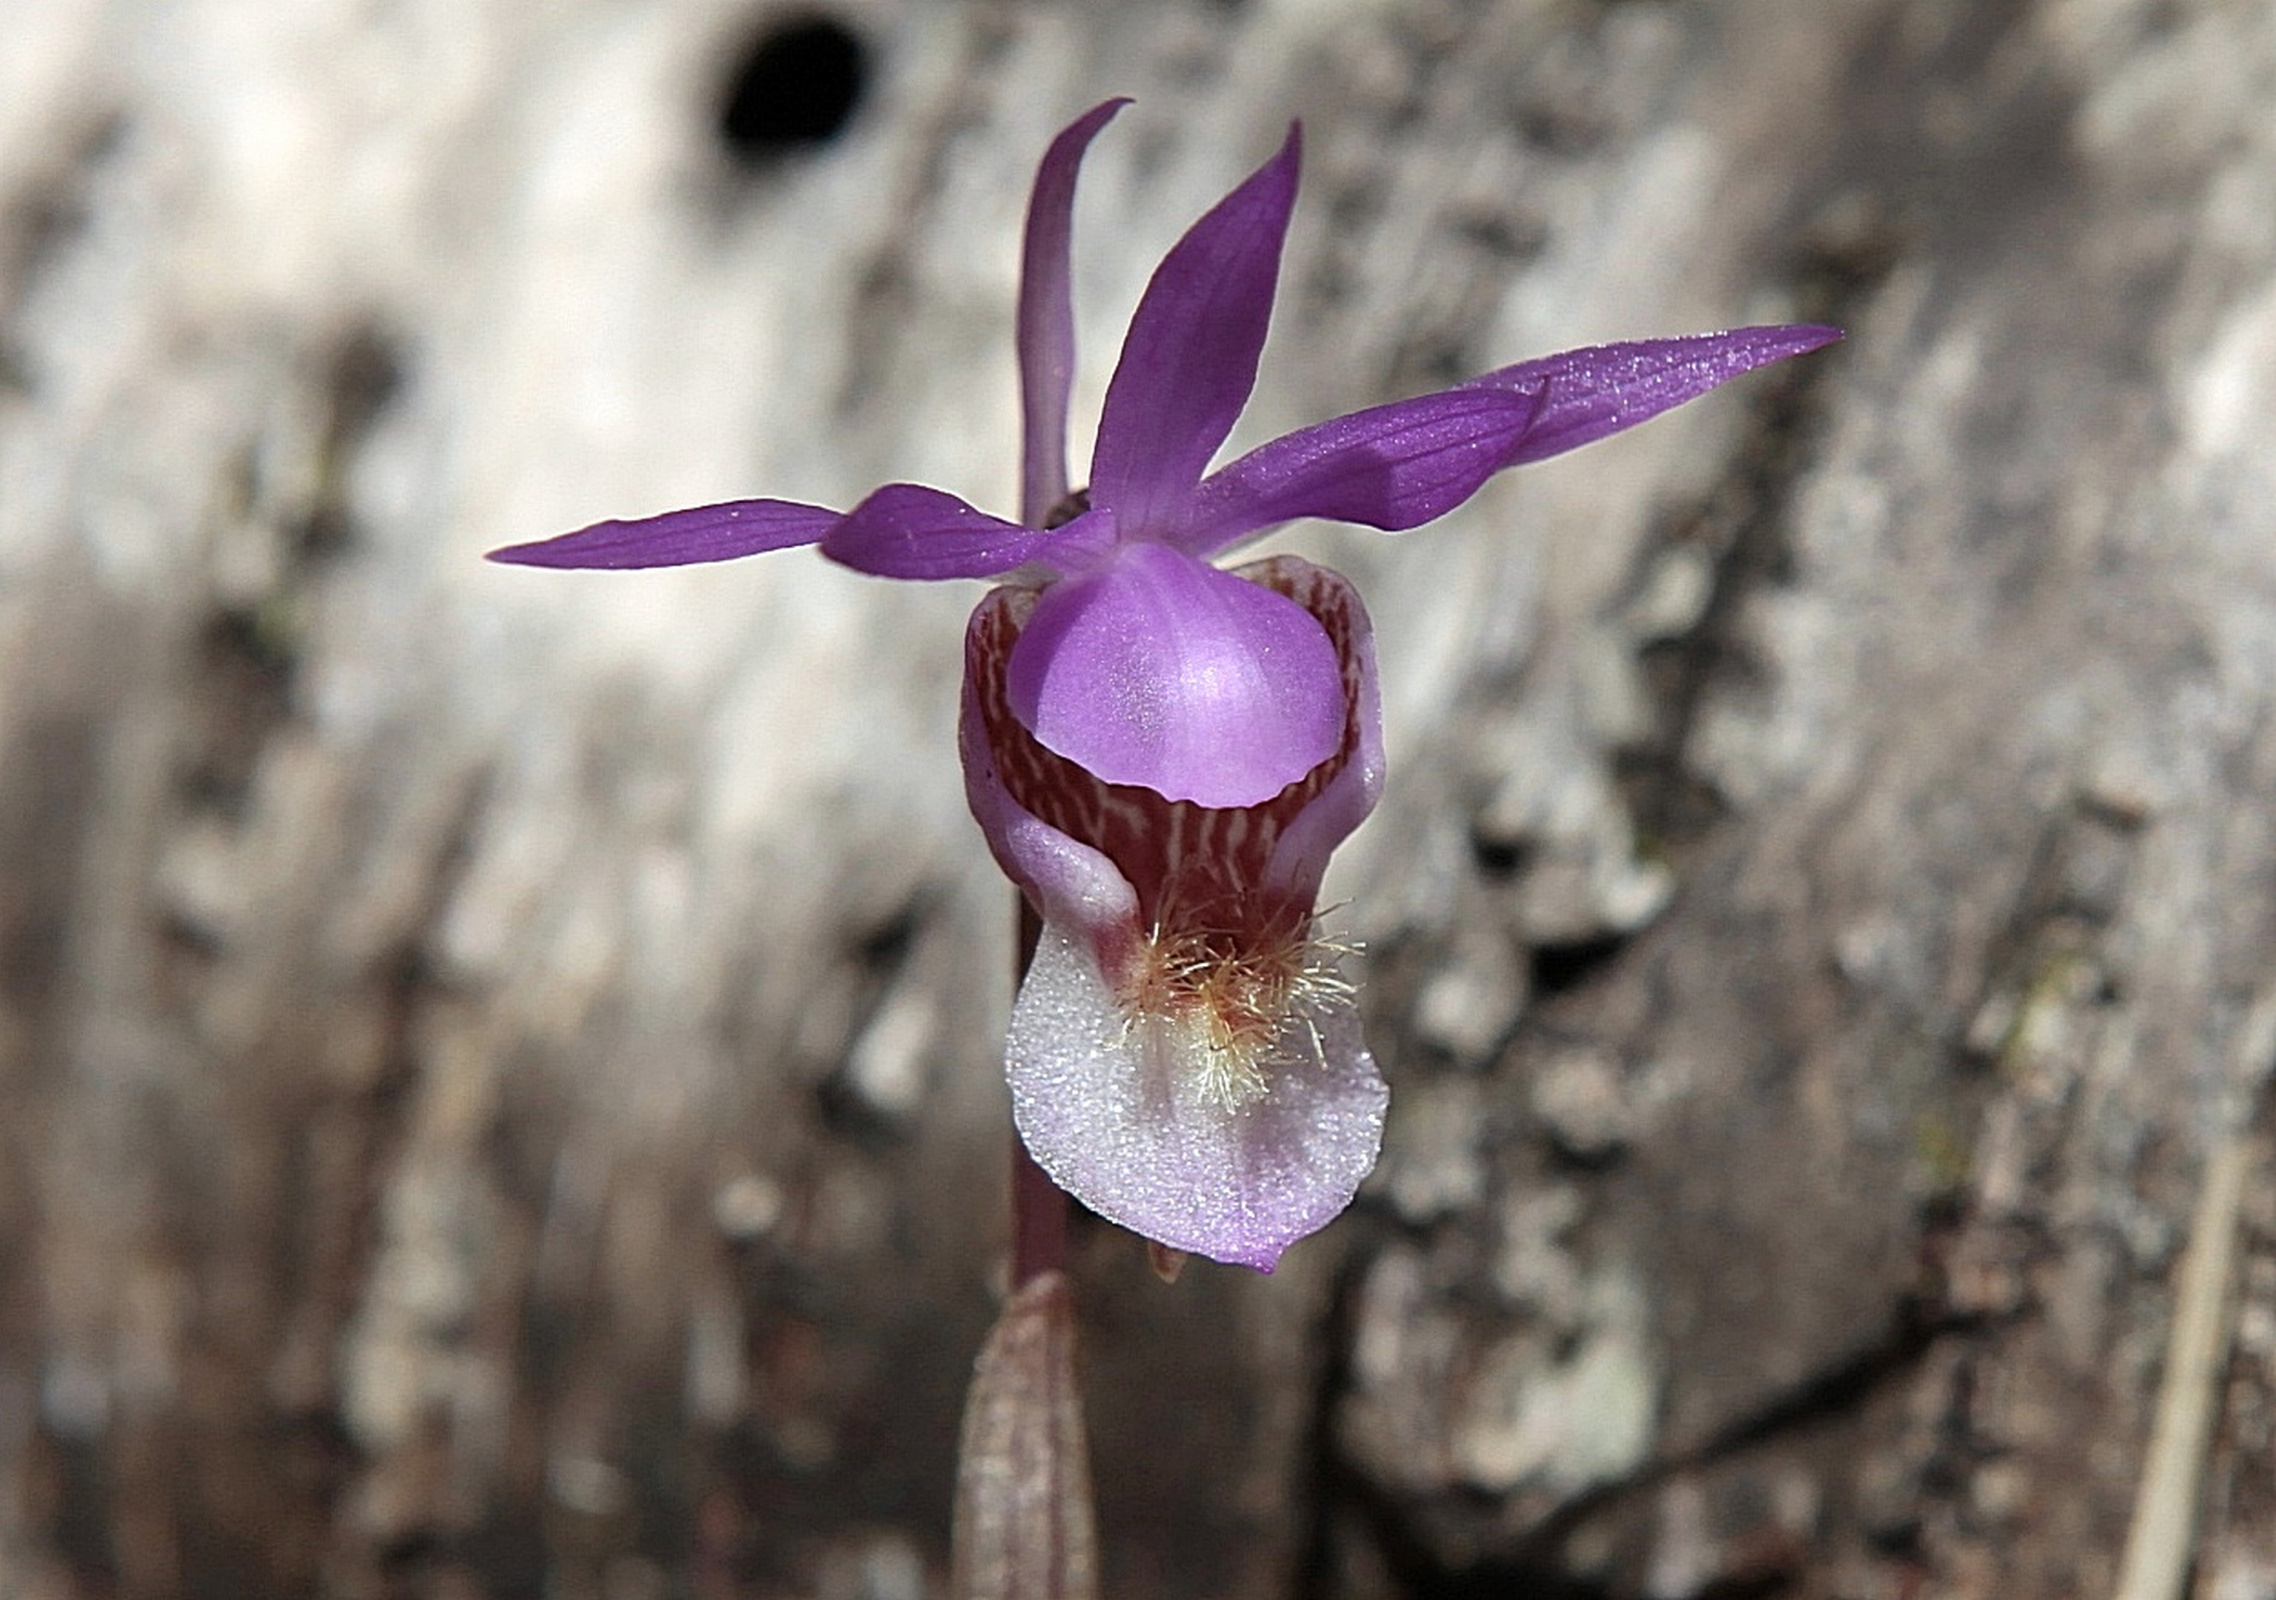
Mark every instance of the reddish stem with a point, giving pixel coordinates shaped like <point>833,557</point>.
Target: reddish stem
<point>1039,1206</point>
<point>1039,1220</point>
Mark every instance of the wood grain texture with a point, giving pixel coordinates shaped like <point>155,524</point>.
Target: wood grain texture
<point>498,1070</point>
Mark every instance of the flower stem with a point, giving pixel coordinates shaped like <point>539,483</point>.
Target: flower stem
<point>1039,1206</point>
<point>1039,1220</point>
<point>1024,1527</point>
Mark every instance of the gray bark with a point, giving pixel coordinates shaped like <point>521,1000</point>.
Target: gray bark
<point>498,1083</point>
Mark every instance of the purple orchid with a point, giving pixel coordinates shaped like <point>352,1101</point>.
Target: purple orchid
<point>1163,753</point>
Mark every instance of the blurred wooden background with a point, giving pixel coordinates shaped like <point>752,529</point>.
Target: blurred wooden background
<point>498,1092</point>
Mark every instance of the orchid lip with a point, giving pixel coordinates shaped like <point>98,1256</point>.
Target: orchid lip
<point>1122,1107</point>
<point>1185,1058</point>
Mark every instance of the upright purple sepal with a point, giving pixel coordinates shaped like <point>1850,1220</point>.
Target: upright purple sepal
<point>1046,336</point>
<point>1190,357</point>
<point>679,538</point>
<point>1590,393</point>
<point>1160,670</point>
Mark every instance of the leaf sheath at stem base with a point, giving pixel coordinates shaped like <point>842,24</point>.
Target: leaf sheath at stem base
<point>1024,1525</point>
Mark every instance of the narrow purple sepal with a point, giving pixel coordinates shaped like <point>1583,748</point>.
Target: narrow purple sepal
<point>1190,357</point>
<point>1393,467</point>
<point>679,538</point>
<point>906,530</point>
<point>1046,325</point>
<point>1590,393</point>
<point>1160,670</point>
<point>1116,1106</point>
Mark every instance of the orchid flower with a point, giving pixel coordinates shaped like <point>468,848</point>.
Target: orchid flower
<point>1161,752</point>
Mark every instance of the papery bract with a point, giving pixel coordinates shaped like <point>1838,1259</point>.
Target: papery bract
<point>1163,754</point>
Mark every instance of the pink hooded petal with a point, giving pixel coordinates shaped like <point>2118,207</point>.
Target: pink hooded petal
<point>1047,316</point>
<point>1393,467</point>
<point>1591,393</point>
<point>1190,357</point>
<point>1114,1107</point>
<point>1158,670</point>
<point>906,530</point>
<point>679,538</point>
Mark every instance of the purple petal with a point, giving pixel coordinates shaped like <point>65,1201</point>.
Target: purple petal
<point>906,530</point>
<point>1190,358</point>
<point>1047,316</point>
<point>679,538</point>
<point>1590,393</point>
<point>1160,670</point>
<point>1392,467</point>
<point>1117,1107</point>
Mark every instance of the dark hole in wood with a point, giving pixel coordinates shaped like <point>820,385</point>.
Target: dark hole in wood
<point>1499,858</point>
<point>796,86</point>
<point>1562,968</point>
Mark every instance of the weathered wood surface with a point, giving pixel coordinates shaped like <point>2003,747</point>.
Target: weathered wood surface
<point>496,1069</point>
